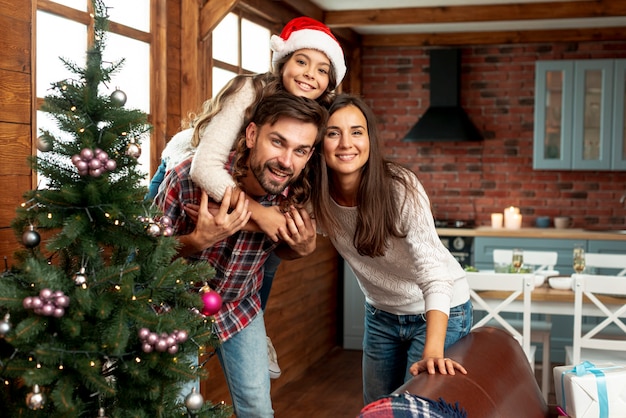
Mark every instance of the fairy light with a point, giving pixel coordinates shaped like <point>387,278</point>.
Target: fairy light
<point>107,215</point>
<point>92,363</point>
<point>118,287</point>
<point>61,366</point>
<point>133,297</point>
<point>137,360</point>
<point>49,215</point>
<point>73,108</point>
<point>38,365</point>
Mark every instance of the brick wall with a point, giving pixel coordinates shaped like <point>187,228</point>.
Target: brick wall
<point>469,180</point>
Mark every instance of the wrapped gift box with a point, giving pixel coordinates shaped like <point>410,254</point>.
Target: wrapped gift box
<point>591,391</point>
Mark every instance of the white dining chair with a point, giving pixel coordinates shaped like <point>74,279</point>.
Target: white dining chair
<point>513,285</point>
<point>540,329</point>
<point>612,262</point>
<point>594,345</point>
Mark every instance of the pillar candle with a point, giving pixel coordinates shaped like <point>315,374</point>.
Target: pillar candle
<point>496,220</point>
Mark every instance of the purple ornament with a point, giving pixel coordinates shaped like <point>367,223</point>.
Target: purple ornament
<point>173,349</point>
<point>27,303</point>
<point>58,312</point>
<point>36,303</point>
<point>181,336</point>
<point>152,338</point>
<point>147,347</point>
<point>95,164</point>
<point>86,154</point>
<point>110,165</point>
<point>161,345</point>
<point>45,293</point>
<point>143,333</point>
<point>48,309</point>
<point>82,166</point>
<point>62,301</point>
<point>95,172</point>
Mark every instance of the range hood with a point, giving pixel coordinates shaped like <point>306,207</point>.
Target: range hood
<point>445,119</point>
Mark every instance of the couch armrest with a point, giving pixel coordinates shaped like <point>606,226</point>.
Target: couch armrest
<point>499,380</point>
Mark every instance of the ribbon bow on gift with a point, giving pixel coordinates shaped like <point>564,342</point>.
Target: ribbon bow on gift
<point>588,367</point>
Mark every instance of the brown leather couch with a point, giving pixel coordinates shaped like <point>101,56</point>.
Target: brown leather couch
<point>499,381</point>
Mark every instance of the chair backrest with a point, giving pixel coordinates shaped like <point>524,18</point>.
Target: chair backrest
<point>593,287</point>
<point>512,286</point>
<point>616,262</point>
<point>542,260</point>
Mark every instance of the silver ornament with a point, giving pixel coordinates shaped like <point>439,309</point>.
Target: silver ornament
<point>5,325</point>
<point>118,98</point>
<point>35,399</point>
<point>154,230</point>
<point>31,238</point>
<point>194,401</point>
<point>80,279</point>
<point>44,143</point>
<point>133,150</point>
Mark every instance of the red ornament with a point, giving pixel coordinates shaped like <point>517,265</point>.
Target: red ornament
<point>212,302</point>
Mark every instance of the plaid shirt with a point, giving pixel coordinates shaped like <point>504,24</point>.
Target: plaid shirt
<point>238,260</point>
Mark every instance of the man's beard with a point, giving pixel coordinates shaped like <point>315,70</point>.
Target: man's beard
<point>269,185</point>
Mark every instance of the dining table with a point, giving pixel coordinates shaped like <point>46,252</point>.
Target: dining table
<point>550,301</point>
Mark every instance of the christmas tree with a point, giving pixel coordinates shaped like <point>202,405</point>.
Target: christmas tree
<point>97,316</point>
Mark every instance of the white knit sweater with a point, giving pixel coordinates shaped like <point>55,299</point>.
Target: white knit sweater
<point>416,274</point>
<point>216,141</point>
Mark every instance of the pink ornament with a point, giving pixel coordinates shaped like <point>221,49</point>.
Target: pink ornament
<point>62,301</point>
<point>143,333</point>
<point>181,336</point>
<point>48,309</point>
<point>45,293</point>
<point>27,303</point>
<point>173,349</point>
<point>110,165</point>
<point>153,338</point>
<point>86,154</point>
<point>147,347</point>
<point>161,345</point>
<point>212,302</point>
<point>58,312</point>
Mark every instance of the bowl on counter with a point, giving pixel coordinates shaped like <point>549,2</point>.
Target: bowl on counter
<point>561,283</point>
<point>539,280</point>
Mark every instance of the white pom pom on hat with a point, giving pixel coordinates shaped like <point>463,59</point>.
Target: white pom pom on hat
<point>307,33</point>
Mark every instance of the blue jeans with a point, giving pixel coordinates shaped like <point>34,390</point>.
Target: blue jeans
<point>392,343</point>
<point>246,367</point>
<point>269,271</point>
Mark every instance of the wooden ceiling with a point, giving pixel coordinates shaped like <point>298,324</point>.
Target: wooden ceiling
<point>535,21</point>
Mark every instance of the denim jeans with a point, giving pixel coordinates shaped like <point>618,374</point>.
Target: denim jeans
<point>246,367</point>
<point>392,343</point>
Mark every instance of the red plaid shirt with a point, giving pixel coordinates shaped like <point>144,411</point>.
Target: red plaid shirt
<point>238,260</point>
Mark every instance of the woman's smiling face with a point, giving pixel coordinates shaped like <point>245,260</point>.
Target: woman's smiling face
<point>347,142</point>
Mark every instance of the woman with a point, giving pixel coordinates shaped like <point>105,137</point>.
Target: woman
<point>378,217</point>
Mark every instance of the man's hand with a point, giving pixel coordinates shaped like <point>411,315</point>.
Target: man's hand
<point>299,234</point>
<point>213,228</point>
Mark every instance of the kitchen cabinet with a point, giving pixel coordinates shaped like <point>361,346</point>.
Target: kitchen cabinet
<point>579,115</point>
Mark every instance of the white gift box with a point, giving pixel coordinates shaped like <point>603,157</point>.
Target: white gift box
<point>591,391</point>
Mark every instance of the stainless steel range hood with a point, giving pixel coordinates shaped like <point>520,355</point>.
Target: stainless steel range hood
<point>445,119</point>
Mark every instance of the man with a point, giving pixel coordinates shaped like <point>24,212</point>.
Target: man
<point>269,165</point>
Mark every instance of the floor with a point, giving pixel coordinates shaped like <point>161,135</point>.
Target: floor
<point>332,388</point>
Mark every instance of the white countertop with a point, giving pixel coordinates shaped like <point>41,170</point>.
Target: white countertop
<point>570,233</point>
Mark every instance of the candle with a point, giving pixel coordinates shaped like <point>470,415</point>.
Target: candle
<point>496,220</point>
<point>509,213</point>
<point>514,222</point>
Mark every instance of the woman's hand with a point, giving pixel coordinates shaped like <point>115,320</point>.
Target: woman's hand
<point>300,234</point>
<point>431,365</point>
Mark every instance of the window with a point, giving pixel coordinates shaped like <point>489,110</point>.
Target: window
<point>129,39</point>
<point>239,46</point>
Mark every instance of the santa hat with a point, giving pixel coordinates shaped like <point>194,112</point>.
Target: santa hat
<point>306,33</point>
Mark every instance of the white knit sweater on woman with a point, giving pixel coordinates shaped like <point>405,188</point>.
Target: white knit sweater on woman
<point>416,274</point>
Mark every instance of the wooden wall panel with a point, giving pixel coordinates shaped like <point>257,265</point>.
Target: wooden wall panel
<point>301,318</point>
<point>15,97</point>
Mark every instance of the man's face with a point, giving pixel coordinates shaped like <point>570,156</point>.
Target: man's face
<point>278,153</point>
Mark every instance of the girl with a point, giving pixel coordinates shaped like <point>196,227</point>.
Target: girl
<point>307,61</point>
<point>378,217</point>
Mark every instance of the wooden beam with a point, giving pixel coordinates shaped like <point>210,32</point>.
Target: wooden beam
<point>306,8</point>
<point>489,38</point>
<point>483,13</point>
<point>212,13</point>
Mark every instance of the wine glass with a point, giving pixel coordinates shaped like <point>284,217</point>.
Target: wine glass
<point>579,259</point>
<point>518,259</point>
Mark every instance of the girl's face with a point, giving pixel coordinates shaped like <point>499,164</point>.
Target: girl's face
<point>347,142</point>
<point>306,73</point>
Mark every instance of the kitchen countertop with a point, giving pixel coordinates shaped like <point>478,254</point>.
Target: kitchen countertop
<point>570,233</point>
